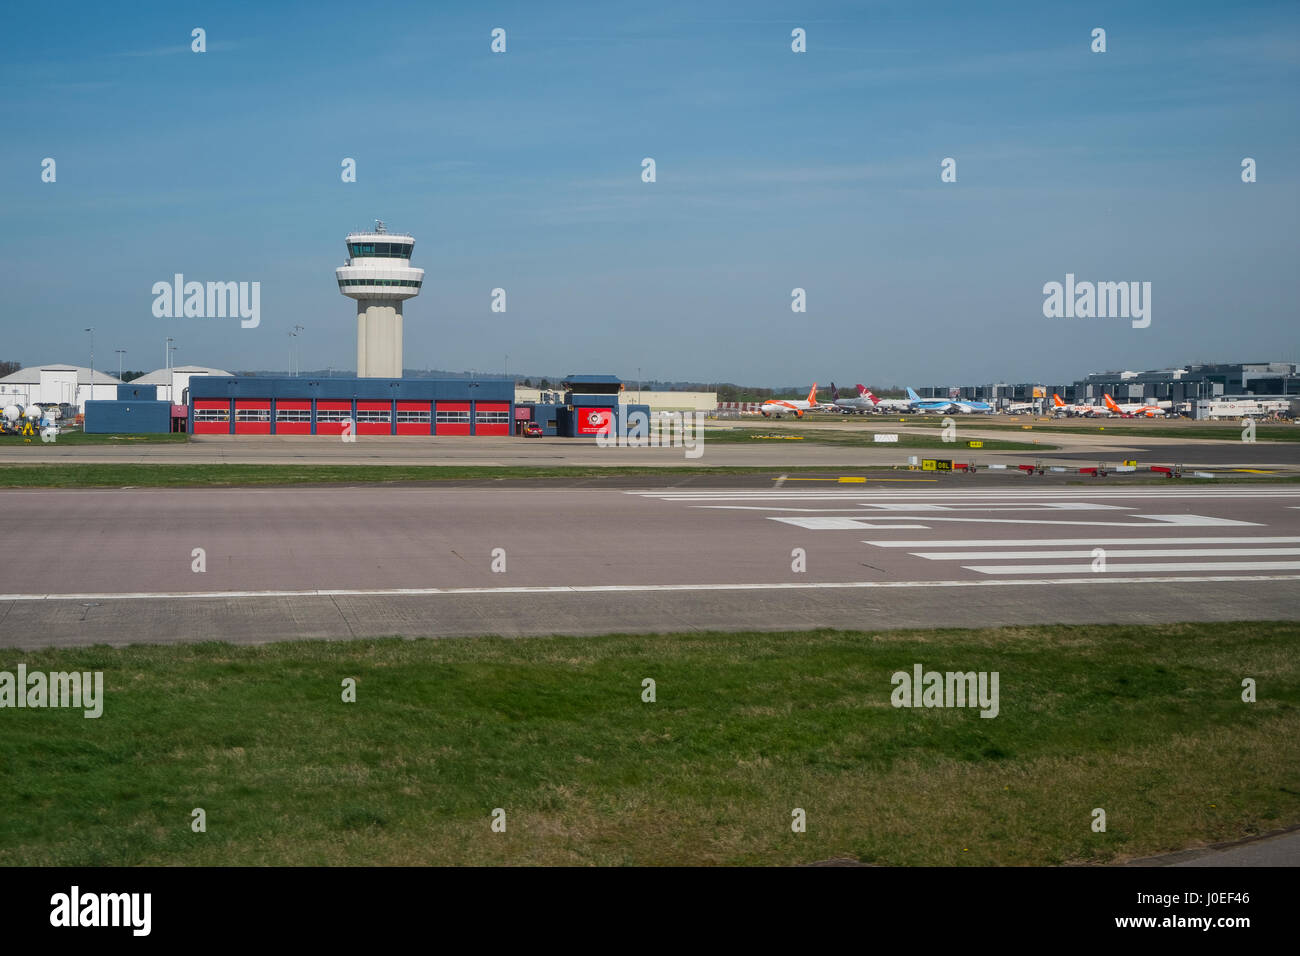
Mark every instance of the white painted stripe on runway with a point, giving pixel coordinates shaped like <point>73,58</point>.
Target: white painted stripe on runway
<point>1032,542</point>
<point>1183,521</point>
<point>838,523</point>
<point>1152,566</point>
<point>968,493</point>
<point>1051,506</point>
<point>866,500</point>
<point>1110,553</point>
<point>635,588</point>
<point>1197,521</point>
<point>770,508</point>
<point>869,498</point>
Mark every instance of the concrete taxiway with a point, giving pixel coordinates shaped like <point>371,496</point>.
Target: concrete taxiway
<point>1070,449</point>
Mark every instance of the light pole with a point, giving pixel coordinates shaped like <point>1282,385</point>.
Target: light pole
<point>92,363</point>
<point>294,333</point>
<point>167,353</point>
<point>120,353</point>
<point>638,385</point>
<point>170,349</point>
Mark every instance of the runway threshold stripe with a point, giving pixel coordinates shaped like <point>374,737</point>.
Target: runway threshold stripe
<point>1092,578</point>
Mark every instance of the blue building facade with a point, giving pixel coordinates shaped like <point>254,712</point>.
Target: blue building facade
<point>128,417</point>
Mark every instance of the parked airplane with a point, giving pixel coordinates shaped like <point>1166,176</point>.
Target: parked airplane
<point>886,404</point>
<point>864,403</point>
<point>939,406</point>
<point>1134,408</point>
<point>777,407</point>
<point>943,406</point>
<point>1061,408</point>
<point>846,405</point>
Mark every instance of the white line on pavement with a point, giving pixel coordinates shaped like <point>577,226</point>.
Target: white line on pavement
<point>1153,566</point>
<point>1115,553</point>
<point>1182,521</point>
<point>639,588</point>
<point>1034,542</point>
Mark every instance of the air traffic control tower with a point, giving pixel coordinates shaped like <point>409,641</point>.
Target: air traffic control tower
<point>379,276</point>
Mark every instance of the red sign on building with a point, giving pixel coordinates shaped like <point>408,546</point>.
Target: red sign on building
<point>593,421</point>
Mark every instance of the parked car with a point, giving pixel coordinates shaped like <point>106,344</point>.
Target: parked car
<point>532,430</point>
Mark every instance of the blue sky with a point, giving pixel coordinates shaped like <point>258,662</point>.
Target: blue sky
<point>775,170</point>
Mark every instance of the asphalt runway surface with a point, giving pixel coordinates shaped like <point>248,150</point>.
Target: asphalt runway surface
<point>118,566</point>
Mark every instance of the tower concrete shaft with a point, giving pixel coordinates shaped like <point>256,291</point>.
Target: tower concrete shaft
<point>378,275</point>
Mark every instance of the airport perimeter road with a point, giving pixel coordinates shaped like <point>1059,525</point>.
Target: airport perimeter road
<point>118,566</point>
<point>1278,849</point>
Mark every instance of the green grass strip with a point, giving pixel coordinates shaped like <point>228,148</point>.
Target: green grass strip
<point>1146,722</point>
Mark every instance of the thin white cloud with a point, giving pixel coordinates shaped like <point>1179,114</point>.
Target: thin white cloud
<point>215,46</point>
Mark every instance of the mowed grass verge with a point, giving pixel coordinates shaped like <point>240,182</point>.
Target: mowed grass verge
<point>1145,722</point>
<point>79,437</point>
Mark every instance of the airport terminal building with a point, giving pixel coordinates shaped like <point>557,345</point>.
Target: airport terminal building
<point>1188,384</point>
<point>1193,382</point>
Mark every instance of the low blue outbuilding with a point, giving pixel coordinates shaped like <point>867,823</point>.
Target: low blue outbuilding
<point>129,417</point>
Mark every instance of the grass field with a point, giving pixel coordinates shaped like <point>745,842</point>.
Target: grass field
<point>1144,722</point>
